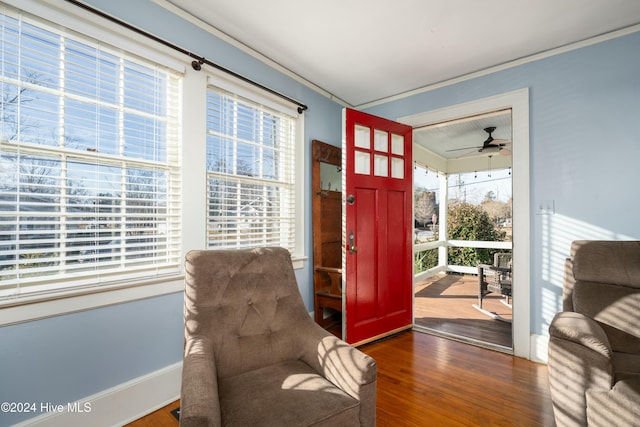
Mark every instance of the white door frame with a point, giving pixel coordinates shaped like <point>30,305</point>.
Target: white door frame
<point>518,101</point>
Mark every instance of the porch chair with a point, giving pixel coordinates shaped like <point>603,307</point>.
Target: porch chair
<point>253,354</point>
<point>495,278</point>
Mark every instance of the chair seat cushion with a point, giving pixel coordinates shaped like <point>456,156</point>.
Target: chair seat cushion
<point>615,407</point>
<point>285,394</point>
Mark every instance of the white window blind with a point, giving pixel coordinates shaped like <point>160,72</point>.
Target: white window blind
<point>90,169</point>
<point>250,173</point>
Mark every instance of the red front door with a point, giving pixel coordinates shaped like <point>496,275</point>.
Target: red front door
<point>377,227</point>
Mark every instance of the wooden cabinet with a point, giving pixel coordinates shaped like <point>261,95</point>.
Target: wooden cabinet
<point>327,232</point>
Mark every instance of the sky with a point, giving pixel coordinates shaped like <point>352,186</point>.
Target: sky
<point>472,186</point>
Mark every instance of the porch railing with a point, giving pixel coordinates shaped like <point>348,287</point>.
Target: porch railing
<point>443,245</point>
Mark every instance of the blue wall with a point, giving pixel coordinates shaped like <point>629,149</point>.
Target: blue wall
<point>67,358</point>
<point>584,150</point>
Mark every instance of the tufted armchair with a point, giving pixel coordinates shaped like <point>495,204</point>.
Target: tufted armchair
<point>594,344</point>
<point>254,356</point>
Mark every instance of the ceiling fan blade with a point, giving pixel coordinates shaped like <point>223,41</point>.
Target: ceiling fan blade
<point>505,152</point>
<point>465,148</point>
<point>473,152</point>
<point>499,142</point>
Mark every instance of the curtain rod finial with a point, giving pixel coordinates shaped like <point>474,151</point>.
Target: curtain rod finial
<point>302,109</point>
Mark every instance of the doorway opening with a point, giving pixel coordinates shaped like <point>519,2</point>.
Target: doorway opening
<point>438,164</point>
<point>450,299</point>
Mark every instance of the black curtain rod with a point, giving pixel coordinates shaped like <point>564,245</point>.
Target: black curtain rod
<point>197,60</point>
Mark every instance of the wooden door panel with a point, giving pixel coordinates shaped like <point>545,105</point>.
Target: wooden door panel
<point>396,238</point>
<point>364,295</point>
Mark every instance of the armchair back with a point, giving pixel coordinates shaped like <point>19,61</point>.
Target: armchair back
<point>606,287</point>
<point>249,325</point>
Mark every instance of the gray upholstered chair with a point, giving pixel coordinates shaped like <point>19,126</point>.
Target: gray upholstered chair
<point>594,346</point>
<point>253,355</point>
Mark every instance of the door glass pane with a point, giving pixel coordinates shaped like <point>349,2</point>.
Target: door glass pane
<point>397,168</point>
<point>362,163</point>
<point>362,137</point>
<point>381,165</point>
<point>397,144</point>
<point>380,140</point>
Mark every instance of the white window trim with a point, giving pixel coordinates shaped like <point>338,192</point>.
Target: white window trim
<point>34,308</point>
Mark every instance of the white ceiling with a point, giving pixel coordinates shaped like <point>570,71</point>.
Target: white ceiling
<point>465,137</point>
<point>361,51</point>
<point>365,50</point>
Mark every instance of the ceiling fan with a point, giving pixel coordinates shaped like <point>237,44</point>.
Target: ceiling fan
<point>490,145</point>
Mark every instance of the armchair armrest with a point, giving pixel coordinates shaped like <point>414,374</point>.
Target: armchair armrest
<point>344,365</point>
<point>580,329</point>
<point>199,400</point>
<point>580,358</point>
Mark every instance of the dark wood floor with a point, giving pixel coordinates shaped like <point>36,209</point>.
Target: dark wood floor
<point>444,303</point>
<point>426,380</point>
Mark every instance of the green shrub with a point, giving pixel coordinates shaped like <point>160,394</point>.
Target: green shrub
<point>471,222</point>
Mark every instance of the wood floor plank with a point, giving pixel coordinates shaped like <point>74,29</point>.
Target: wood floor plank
<point>425,380</point>
<point>160,418</point>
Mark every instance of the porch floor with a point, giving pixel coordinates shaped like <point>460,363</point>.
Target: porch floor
<point>444,303</point>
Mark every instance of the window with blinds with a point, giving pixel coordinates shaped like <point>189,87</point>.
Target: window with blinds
<point>90,171</point>
<point>250,173</point>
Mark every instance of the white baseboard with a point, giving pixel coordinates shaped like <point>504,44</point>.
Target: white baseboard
<point>118,405</point>
<point>539,348</point>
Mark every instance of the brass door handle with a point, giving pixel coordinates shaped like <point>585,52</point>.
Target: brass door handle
<point>352,247</point>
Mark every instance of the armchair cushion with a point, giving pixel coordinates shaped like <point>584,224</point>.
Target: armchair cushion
<point>285,394</point>
<point>616,308</point>
<point>626,365</point>
<point>607,261</point>
<point>616,407</point>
